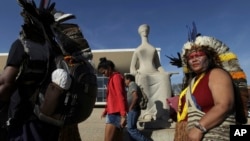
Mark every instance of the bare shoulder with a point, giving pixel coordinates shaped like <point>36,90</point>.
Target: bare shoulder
<point>219,71</point>
<point>221,86</point>
<point>219,75</point>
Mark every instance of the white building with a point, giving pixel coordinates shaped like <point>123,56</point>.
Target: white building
<point>120,57</point>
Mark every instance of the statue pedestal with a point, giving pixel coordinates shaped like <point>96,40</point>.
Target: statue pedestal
<point>155,124</point>
<point>159,119</point>
<point>156,134</point>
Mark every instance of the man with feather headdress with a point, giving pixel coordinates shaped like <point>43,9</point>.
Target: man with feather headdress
<point>29,67</point>
<point>17,86</point>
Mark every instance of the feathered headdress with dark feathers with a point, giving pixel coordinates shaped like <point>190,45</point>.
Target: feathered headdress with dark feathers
<point>42,23</point>
<point>46,23</point>
<point>38,20</point>
<point>192,34</point>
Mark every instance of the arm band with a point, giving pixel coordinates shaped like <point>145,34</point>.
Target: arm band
<point>200,127</point>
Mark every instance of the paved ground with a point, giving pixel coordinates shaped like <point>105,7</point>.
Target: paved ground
<point>93,129</point>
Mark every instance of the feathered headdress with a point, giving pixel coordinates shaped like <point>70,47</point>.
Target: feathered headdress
<point>192,34</point>
<point>37,20</point>
<point>228,59</point>
<point>47,22</point>
<point>69,36</point>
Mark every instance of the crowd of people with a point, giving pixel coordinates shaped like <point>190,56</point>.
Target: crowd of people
<point>208,104</point>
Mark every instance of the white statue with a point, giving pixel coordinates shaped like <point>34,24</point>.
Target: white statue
<point>152,77</point>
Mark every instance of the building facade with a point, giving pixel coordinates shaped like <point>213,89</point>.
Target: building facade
<point>120,57</point>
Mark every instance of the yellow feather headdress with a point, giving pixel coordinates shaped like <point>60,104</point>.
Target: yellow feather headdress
<point>229,59</point>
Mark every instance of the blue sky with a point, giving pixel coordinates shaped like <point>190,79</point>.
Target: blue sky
<point>113,24</point>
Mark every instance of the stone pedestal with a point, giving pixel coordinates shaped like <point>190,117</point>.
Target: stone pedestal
<point>164,134</point>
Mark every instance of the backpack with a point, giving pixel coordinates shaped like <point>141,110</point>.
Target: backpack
<point>65,107</point>
<point>74,105</point>
<point>143,99</point>
<point>83,90</point>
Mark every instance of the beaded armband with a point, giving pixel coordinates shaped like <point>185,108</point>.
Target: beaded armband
<point>200,127</point>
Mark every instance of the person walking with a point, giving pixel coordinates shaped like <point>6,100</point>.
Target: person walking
<point>116,108</point>
<point>133,98</point>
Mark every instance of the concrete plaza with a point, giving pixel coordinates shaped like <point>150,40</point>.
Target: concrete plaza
<point>93,129</point>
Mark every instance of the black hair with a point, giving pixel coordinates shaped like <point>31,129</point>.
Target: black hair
<point>104,63</point>
<point>130,77</point>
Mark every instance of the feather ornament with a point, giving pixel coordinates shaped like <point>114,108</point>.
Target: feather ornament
<point>192,33</point>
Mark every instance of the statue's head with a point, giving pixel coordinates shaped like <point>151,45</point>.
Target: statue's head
<point>144,29</point>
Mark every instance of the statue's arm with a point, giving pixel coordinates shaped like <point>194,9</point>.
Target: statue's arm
<point>157,62</point>
<point>133,69</point>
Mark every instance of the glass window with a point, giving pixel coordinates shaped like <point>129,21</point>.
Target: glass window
<point>101,95</point>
